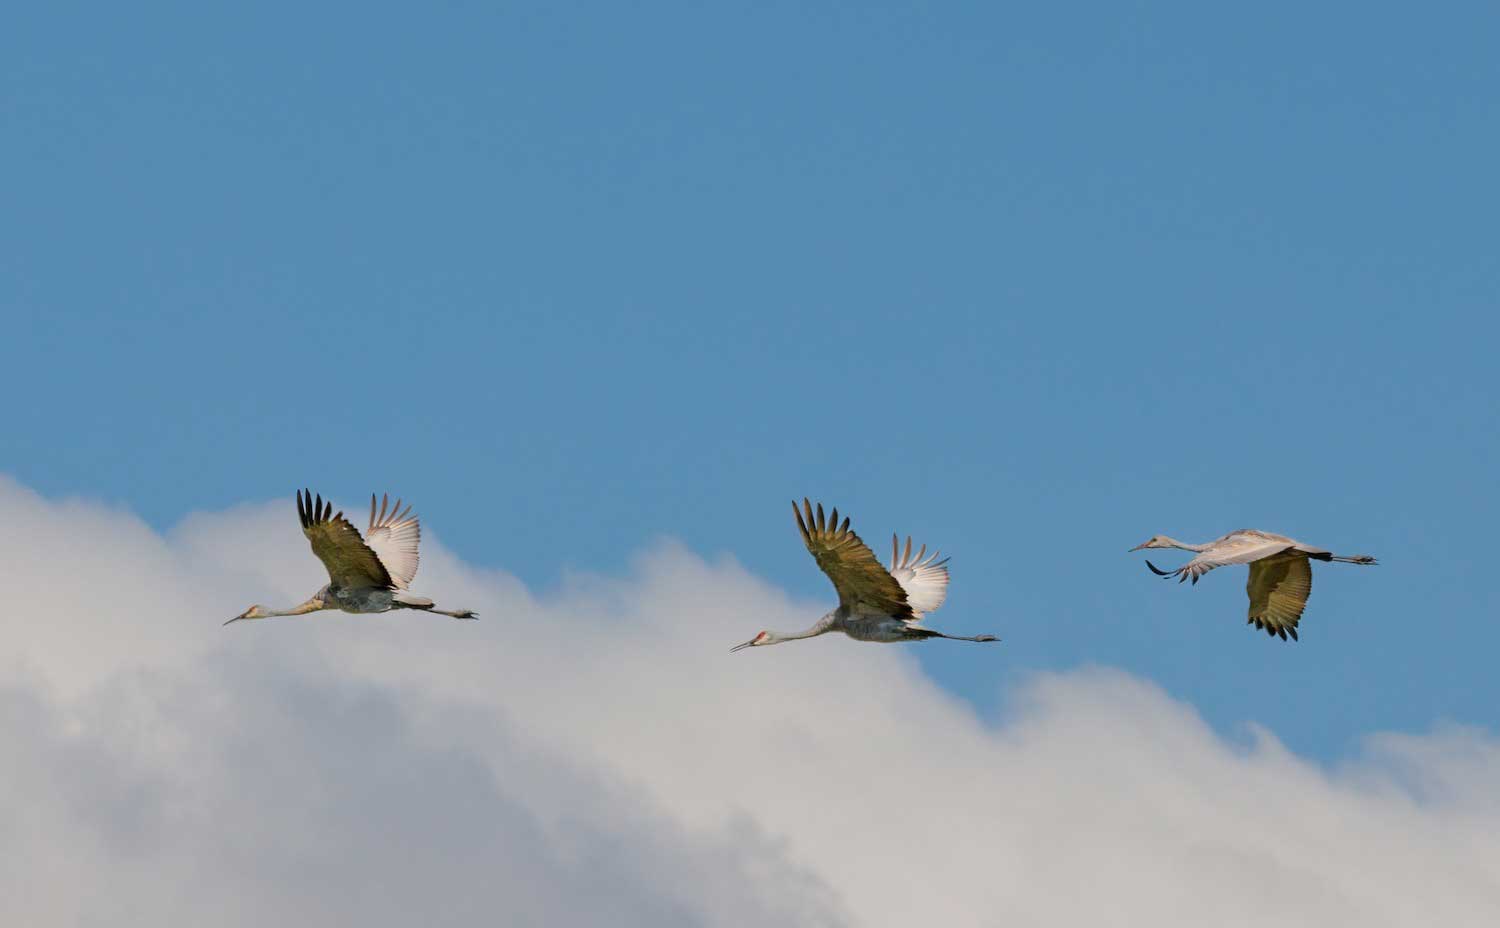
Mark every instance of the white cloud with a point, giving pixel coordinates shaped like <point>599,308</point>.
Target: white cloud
<point>596,756</point>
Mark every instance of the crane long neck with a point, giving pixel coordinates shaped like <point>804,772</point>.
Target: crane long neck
<point>1186,546</point>
<point>312,605</point>
<point>819,627</point>
<point>807,633</point>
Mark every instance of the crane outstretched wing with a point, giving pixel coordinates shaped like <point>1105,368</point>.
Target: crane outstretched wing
<point>350,562</point>
<point>863,585</point>
<point>925,579</point>
<point>1235,548</point>
<point>1278,588</point>
<point>394,537</point>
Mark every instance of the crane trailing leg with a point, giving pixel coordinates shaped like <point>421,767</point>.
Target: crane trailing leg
<point>918,634</point>
<point>404,600</point>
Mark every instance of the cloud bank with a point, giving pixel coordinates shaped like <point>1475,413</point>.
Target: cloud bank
<point>595,756</point>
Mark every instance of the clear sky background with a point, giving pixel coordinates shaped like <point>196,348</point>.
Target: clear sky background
<point>1032,285</point>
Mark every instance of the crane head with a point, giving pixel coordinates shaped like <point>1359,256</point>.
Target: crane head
<point>757,641</point>
<point>1155,541</point>
<point>254,612</point>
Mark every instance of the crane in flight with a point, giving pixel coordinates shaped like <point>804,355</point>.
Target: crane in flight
<point>1280,575</point>
<point>875,603</point>
<point>368,574</point>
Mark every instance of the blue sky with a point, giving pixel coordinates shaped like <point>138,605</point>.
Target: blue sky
<point>1030,285</point>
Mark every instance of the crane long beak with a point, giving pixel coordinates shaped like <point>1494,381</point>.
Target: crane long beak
<point>741,647</point>
<point>235,619</point>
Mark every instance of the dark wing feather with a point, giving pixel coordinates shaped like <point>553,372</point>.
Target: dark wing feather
<point>350,562</point>
<point>1278,588</point>
<point>863,584</point>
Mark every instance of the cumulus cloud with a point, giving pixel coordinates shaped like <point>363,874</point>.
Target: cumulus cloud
<point>595,756</point>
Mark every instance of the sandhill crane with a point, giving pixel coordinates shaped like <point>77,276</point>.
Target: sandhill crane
<point>1280,575</point>
<point>875,603</point>
<point>366,575</point>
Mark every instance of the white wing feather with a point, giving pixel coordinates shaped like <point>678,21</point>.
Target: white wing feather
<point>1241,547</point>
<point>394,537</point>
<point>924,578</point>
